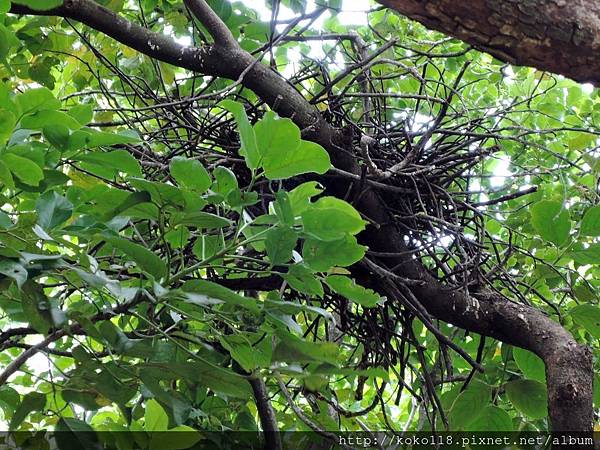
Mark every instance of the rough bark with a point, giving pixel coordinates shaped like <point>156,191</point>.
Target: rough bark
<point>568,366</point>
<point>560,36</point>
<point>268,419</point>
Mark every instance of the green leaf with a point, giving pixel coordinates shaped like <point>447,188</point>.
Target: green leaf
<point>302,279</point>
<point>23,168</point>
<point>300,196</point>
<point>589,255</point>
<point>551,221</point>
<point>14,270</point>
<point>82,113</point>
<point>216,378</point>
<point>530,364</point>
<point>178,438</point>
<point>34,401</point>
<point>52,210</point>
<point>104,139</point>
<point>206,290</point>
<point>9,400</point>
<point>280,243</point>
<point>331,219</point>
<point>284,154</point>
<point>348,288</point>
<point>200,219</point>
<point>133,199</point>
<point>144,258</point>
<point>529,397</point>
<point>49,118</point>
<point>590,224</point>
<point>248,356</point>
<point>57,135</point>
<point>588,317</point>
<point>492,419</point>
<point>293,349</point>
<point>249,148</point>
<point>5,221</point>
<point>191,174</point>
<point>322,255</point>
<point>40,5</point>
<point>308,157</point>
<point>74,434</point>
<point>161,193</point>
<point>6,176</point>
<point>120,160</point>
<point>37,99</point>
<point>225,181</point>
<point>7,124</point>
<point>41,313</point>
<point>155,417</point>
<point>468,405</point>
<point>283,208</point>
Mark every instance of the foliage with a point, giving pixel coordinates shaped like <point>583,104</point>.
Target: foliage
<point>167,262</point>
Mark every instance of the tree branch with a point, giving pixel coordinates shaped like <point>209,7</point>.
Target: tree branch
<point>558,36</point>
<point>268,419</point>
<point>215,26</point>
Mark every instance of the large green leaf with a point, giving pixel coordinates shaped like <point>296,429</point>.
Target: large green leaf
<point>249,357</point>
<point>216,378</point>
<point>469,405</point>
<point>590,224</point>
<point>143,257</point>
<point>7,124</point>
<point>40,5</point>
<point>201,219</point>
<point>49,118</point>
<point>202,290</point>
<point>348,288</point>
<point>284,153</point>
<point>34,401</point>
<point>491,419</point>
<point>249,148</point>
<point>120,160</point>
<point>104,139</point>
<point>155,417</point>
<point>301,195</point>
<point>529,397</point>
<point>331,219</point>
<point>177,438</point>
<point>14,270</point>
<point>322,255</point>
<point>37,99</point>
<point>589,255</point>
<point>74,434</point>
<point>57,135</point>
<point>52,210</point>
<point>587,316</point>
<point>302,279</point>
<point>530,364</point>
<point>551,220</point>
<point>280,243</point>
<point>293,349</point>
<point>190,173</point>
<point>23,168</point>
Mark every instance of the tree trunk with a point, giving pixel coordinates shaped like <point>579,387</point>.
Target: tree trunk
<point>560,36</point>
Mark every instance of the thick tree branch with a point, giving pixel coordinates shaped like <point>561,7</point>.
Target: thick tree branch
<point>268,419</point>
<point>560,36</point>
<point>568,365</point>
<point>215,26</point>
